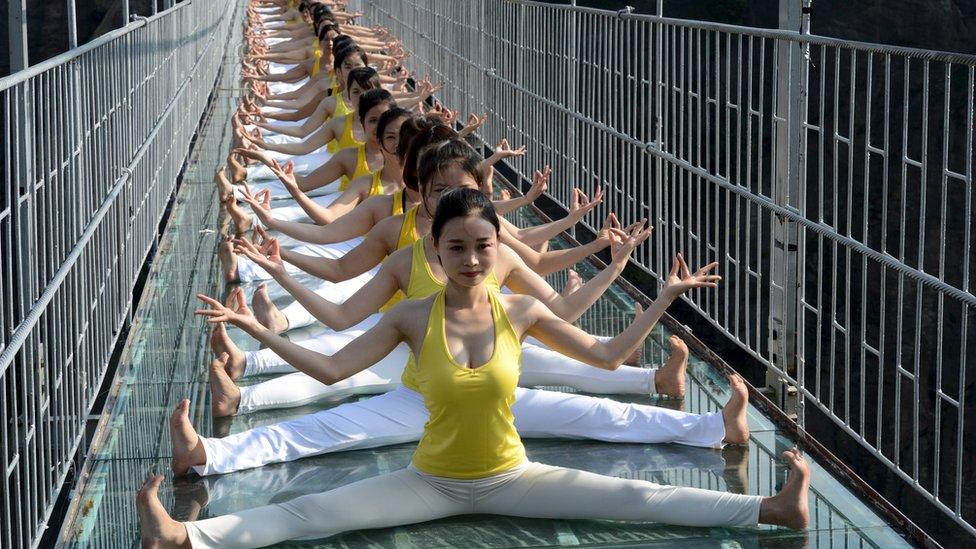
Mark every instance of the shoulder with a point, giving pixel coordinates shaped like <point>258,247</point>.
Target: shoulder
<point>518,303</point>
<point>363,181</point>
<point>408,311</point>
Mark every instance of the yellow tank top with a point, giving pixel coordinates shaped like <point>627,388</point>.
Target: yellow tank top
<point>408,235</point>
<point>376,188</point>
<point>397,203</point>
<point>317,64</point>
<point>471,431</point>
<point>346,140</point>
<point>362,168</point>
<point>341,108</point>
<point>422,284</point>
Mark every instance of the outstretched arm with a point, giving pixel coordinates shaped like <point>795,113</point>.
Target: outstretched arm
<point>523,280</point>
<point>368,254</point>
<point>361,353</point>
<point>338,316</point>
<point>571,341</point>
<point>554,260</point>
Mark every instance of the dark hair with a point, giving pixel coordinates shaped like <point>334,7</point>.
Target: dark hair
<point>342,53</point>
<point>324,30</point>
<point>372,98</point>
<point>438,156</point>
<point>340,40</point>
<point>462,202</point>
<point>365,77</point>
<point>387,118</point>
<point>420,134</point>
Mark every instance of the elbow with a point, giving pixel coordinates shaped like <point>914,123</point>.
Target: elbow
<point>608,364</point>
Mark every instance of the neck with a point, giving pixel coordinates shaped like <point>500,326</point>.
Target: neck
<point>464,297</point>
<point>391,169</point>
<point>372,147</point>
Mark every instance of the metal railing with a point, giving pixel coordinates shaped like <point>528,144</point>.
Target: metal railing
<point>832,180</point>
<point>93,143</point>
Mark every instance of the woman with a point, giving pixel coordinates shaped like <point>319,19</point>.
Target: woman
<point>470,458</point>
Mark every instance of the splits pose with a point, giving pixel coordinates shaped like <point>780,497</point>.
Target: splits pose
<point>431,301</point>
<point>470,458</point>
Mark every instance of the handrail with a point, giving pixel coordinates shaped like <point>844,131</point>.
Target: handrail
<point>20,76</point>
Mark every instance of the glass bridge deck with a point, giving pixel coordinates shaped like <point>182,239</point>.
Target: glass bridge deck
<point>166,361</point>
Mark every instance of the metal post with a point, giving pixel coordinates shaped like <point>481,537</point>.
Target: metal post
<point>125,12</point>
<point>789,109</point>
<point>17,34</point>
<point>72,24</point>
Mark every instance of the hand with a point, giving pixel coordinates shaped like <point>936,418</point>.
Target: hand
<point>680,279</point>
<point>621,249</point>
<point>260,204</point>
<point>234,311</point>
<point>504,194</point>
<point>540,184</point>
<point>504,150</point>
<point>610,232</point>
<point>268,255</point>
<point>582,204</point>
<point>473,124</point>
<point>260,155</point>
<point>285,173</point>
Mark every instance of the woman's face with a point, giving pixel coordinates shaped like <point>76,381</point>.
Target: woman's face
<point>468,249</point>
<point>391,136</point>
<point>354,92</point>
<point>444,180</point>
<point>348,64</point>
<point>372,118</point>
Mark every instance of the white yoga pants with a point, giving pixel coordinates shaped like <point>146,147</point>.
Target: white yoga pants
<point>540,367</point>
<point>399,416</point>
<point>534,490</point>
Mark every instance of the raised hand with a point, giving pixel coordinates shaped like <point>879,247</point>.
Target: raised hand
<point>582,204</point>
<point>621,249</point>
<point>260,203</point>
<point>540,183</point>
<point>234,311</point>
<point>681,279</point>
<point>268,255</point>
<point>610,232</point>
<point>473,124</point>
<point>285,173</point>
<point>504,150</point>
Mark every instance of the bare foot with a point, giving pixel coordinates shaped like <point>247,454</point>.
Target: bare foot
<point>158,529</point>
<point>225,395</point>
<point>265,311</point>
<point>734,413</point>
<point>228,260</point>
<point>221,343</point>
<point>790,507</point>
<point>187,448</point>
<point>242,220</point>
<point>238,173</point>
<point>224,186</point>
<point>670,378</point>
<point>573,283</point>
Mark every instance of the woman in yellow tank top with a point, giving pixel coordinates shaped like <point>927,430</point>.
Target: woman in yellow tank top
<point>470,458</point>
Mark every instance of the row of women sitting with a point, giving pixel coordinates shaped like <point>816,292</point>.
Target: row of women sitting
<point>377,219</point>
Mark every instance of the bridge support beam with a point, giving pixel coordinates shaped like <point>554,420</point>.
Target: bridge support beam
<point>788,189</point>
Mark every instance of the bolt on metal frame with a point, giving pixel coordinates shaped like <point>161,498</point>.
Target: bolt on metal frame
<point>832,181</point>
<point>93,142</point>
